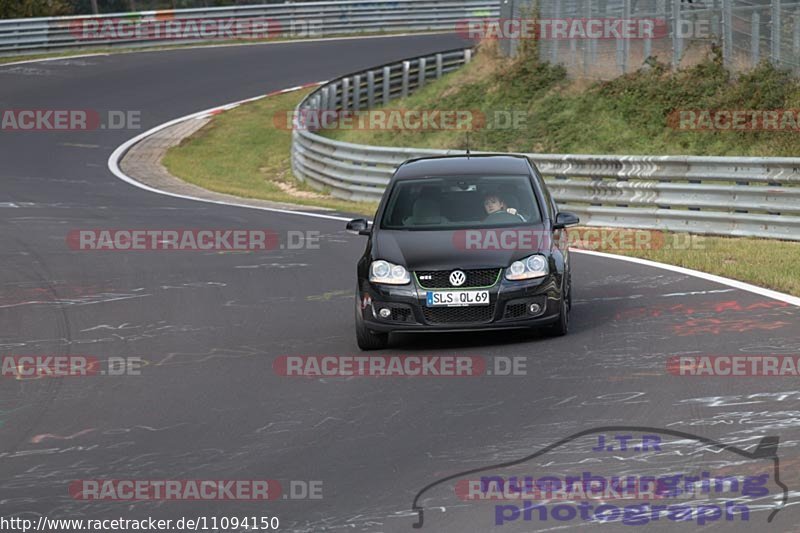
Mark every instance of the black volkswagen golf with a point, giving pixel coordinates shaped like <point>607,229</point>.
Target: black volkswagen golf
<point>463,243</point>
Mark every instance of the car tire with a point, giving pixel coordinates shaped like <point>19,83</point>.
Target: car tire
<point>368,340</point>
<point>561,326</point>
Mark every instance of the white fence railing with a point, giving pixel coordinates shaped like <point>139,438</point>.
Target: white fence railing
<point>288,20</point>
<point>746,31</point>
<point>744,196</point>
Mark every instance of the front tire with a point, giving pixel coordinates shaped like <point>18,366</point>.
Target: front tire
<point>368,340</point>
<point>561,327</point>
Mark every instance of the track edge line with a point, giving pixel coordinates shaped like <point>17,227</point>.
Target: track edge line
<point>117,155</point>
<point>741,285</point>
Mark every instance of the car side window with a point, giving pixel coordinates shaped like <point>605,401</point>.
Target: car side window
<point>551,204</point>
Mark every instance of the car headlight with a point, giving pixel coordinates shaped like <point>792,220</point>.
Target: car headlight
<point>531,267</point>
<point>388,274</point>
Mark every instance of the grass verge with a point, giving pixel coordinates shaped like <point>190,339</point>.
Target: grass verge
<point>629,115</point>
<point>763,262</point>
<point>242,152</point>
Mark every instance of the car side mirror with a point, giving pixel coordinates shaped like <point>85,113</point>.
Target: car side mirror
<point>564,219</point>
<point>359,226</point>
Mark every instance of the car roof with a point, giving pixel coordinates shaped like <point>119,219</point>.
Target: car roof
<point>463,165</point>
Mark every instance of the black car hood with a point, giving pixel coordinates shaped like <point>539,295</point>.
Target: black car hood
<point>444,250</point>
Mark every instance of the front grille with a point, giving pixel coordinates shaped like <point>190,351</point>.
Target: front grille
<point>516,310</point>
<point>520,308</point>
<point>464,315</point>
<point>440,279</point>
<point>400,312</point>
<point>401,315</point>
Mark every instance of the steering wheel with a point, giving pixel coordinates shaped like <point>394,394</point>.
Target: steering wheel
<point>503,216</point>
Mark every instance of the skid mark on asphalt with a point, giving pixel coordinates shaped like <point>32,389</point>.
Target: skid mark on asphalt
<point>193,358</point>
<point>194,285</point>
<point>42,205</point>
<point>697,309</point>
<point>272,300</point>
<point>124,332</point>
<point>85,300</point>
<point>259,304</point>
<point>149,331</point>
<point>327,296</point>
<point>760,422</point>
<point>710,317</point>
<point>60,293</point>
<point>37,439</point>
<point>124,452</point>
<point>744,399</point>
<point>78,145</point>
<point>773,345</point>
<point>25,71</point>
<point>718,326</point>
<point>123,326</point>
<point>279,427</point>
<point>279,266</point>
<point>28,179</point>
<point>649,296</point>
<point>636,281</point>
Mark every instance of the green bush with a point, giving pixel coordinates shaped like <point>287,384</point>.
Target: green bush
<point>627,115</point>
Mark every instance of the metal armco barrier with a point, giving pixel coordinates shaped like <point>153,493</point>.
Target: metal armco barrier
<point>292,20</point>
<point>738,196</point>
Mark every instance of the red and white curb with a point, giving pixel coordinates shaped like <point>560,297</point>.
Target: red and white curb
<point>119,153</point>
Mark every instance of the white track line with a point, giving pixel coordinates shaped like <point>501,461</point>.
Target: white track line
<point>793,300</point>
<point>116,156</point>
<point>61,58</point>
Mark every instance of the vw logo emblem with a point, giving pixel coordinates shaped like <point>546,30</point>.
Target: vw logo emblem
<point>457,278</point>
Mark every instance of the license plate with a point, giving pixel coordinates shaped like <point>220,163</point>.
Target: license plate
<point>457,298</point>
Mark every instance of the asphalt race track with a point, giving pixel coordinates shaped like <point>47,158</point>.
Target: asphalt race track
<point>209,325</point>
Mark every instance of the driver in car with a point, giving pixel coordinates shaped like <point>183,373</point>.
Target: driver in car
<point>495,206</point>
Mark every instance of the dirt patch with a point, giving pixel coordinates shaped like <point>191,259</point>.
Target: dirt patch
<point>288,188</point>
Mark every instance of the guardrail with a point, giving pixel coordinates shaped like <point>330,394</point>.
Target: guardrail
<point>304,19</point>
<point>738,196</point>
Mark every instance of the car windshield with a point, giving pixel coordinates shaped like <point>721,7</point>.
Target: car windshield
<point>447,203</point>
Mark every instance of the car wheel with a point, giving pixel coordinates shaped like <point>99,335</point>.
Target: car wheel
<point>561,327</point>
<point>368,340</point>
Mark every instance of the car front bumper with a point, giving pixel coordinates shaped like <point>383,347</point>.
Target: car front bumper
<point>509,307</point>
